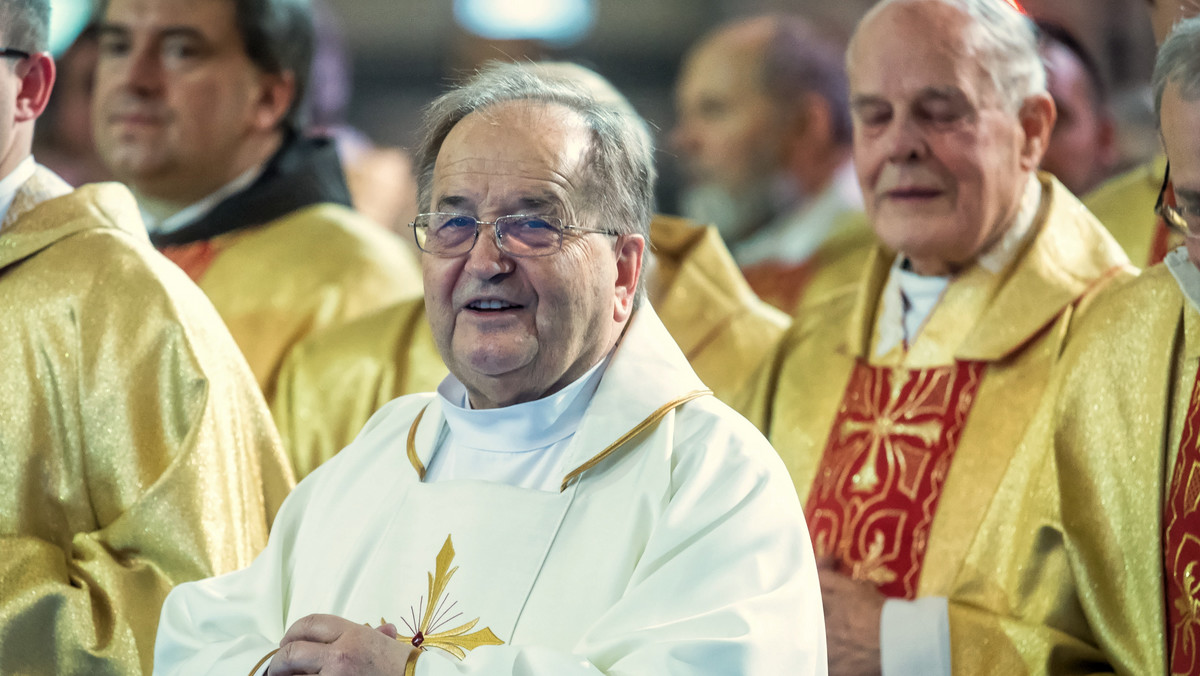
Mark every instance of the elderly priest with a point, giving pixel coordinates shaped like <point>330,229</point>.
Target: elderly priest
<point>572,500</point>
<point>899,405</point>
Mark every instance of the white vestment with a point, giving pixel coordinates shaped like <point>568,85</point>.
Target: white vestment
<point>684,551</point>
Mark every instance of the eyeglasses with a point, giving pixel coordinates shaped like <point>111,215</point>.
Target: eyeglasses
<point>15,53</point>
<point>1176,217</point>
<point>450,235</point>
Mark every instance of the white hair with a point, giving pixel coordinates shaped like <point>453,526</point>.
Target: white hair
<point>1006,46</point>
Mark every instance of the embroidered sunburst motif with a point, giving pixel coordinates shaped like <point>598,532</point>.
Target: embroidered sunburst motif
<point>426,628</point>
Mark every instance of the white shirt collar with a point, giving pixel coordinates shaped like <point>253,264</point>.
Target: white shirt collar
<point>194,212</point>
<point>520,427</point>
<point>9,185</point>
<point>909,299</point>
<point>1186,275</point>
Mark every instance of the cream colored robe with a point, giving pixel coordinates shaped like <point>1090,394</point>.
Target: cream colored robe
<point>680,549</point>
<point>135,449</point>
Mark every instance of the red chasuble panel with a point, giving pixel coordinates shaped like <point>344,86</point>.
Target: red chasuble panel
<point>1181,544</point>
<point>194,258</point>
<point>779,284</point>
<point>886,460</point>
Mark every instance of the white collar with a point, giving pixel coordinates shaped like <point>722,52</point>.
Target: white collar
<point>197,210</point>
<point>520,427</point>
<point>9,185</point>
<point>1186,275</point>
<point>908,302</point>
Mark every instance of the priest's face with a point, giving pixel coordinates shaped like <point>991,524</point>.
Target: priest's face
<point>941,159</point>
<point>177,97</point>
<point>1180,124</point>
<point>516,329</point>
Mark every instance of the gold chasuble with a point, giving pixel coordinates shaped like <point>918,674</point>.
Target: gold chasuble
<point>334,381</point>
<point>837,263</point>
<point>1124,436</point>
<point>274,284</point>
<point>907,458</point>
<point>135,449</point>
<point>1125,205</point>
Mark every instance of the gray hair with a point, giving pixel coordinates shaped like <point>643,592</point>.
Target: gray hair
<point>619,174</point>
<point>1006,47</point>
<point>1179,62</point>
<point>27,24</point>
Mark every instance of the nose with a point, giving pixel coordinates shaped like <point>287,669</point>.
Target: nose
<point>906,140</point>
<point>486,260</point>
<point>141,71</point>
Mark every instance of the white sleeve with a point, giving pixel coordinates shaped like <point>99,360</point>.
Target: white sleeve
<point>914,637</point>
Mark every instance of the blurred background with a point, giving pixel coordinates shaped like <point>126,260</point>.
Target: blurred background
<point>383,60</point>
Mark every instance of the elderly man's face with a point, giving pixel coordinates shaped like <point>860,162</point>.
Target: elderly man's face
<point>942,164</point>
<point>516,329</point>
<point>176,96</point>
<point>1180,124</point>
<point>730,133</point>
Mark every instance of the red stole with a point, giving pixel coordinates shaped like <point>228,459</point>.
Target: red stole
<point>782,285</point>
<point>194,258</point>
<point>881,476</point>
<point>1181,547</point>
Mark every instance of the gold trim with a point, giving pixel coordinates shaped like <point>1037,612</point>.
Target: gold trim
<point>410,666</point>
<point>641,427</point>
<point>412,445</point>
<point>263,661</point>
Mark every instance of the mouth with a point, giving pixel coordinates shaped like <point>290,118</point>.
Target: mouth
<point>915,193</point>
<point>491,305</point>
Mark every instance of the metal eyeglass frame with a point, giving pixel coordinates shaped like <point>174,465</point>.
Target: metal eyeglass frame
<point>553,221</point>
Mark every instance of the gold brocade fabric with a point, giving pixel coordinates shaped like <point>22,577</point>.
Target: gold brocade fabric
<point>1119,418</point>
<point>1181,547</point>
<point>136,451</point>
<point>1125,205</point>
<point>332,382</point>
<point>1010,595</point>
<point>317,267</point>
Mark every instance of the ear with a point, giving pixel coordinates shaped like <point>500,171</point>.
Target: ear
<point>1037,116</point>
<point>630,249</point>
<point>37,80</point>
<point>276,93</point>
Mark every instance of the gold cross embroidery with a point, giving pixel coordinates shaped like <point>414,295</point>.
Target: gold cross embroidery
<point>425,628</point>
<point>882,432</point>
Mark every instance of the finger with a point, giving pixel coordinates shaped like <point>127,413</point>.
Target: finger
<point>315,629</point>
<point>296,658</point>
<point>388,630</point>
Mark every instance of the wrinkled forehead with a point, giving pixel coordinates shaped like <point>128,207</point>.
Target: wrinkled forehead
<point>911,46</point>
<point>521,147</point>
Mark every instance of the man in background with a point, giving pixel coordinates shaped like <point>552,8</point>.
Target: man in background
<point>1083,147</point>
<point>763,134</point>
<point>196,109</point>
<point>137,451</point>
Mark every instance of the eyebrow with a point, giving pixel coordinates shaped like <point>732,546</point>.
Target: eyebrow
<point>948,93</point>
<point>526,204</point>
<point>1186,197</point>
<point>166,32</point>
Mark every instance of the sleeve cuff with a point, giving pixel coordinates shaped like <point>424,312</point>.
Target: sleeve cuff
<point>914,637</point>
